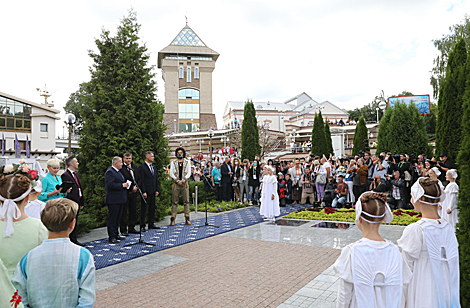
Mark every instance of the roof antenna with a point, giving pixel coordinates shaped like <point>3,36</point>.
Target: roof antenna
<point>186,19</point>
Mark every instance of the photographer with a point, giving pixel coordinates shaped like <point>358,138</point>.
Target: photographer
<point>288,190</point>
<point>378,185</point>
<point>398,191</point>
<point>360,178</point>
<point>329,192</point>
<point>341,192</point>
<point>308,191</point>
<point>379,165</point>
<point>296,172</point>
<point>444,165</point>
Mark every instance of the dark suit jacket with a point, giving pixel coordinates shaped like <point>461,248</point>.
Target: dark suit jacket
<point>225,176</point>
<point>115,193</point>
<point>149,183</point>
<point>127,175</point>
<point>74,194</point>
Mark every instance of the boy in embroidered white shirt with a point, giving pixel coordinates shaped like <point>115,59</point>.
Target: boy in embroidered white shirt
<point>57,273</point>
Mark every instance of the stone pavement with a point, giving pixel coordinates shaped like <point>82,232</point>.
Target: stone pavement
<point>263,265</point>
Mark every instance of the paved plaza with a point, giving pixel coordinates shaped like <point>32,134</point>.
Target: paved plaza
<point>263,265</point>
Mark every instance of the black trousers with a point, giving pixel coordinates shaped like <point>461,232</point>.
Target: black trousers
<point>219,192</point>
<point>114,216</point>
<point>151,210</point>
<point>73,234</point>
<point>227,191</point>
<point>129,211</point>
<point>358,191</point>
<point>396,204</point>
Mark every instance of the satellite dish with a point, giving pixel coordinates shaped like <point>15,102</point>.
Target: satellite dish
<point>382,105</point>
<point>70,118</point>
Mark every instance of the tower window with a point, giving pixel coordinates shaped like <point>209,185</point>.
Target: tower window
<point>196,72</point>
<point>181,72</point>
<point>188,77</point>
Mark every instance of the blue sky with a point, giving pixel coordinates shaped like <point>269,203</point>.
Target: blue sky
<point>345,52</point>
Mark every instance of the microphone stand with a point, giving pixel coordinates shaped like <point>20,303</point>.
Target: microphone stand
<point>206,224</point>
<point>140,241</point>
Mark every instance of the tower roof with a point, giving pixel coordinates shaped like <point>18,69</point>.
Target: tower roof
<point>187,42</point>
<point>187,37</point>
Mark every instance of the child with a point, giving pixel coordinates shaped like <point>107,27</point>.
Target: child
<point>269,197</point>
<point>450,213</point>
<point>35,206</point>
<point>371,270</point>
<point>57,273</point>
<point>430,248</point>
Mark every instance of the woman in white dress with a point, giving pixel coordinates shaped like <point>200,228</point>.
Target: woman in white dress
<point>269,197</point>
<point>372,271</point>
<point>430,249</point>
<point>450,213</point>
<point>35,206</point>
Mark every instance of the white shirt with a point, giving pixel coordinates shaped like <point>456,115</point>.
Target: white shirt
<point>186,172</point>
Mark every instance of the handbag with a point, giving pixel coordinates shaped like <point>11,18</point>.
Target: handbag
<point>321,179</point>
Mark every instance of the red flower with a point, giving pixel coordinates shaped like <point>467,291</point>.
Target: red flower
<point>16,299</point>
<point>34,174</point>
<point>330,210</point>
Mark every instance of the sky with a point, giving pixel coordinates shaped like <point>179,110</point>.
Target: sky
<point>342,51</point>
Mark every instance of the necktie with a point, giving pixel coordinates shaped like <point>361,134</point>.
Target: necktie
<point>76,179</point>
<point>131,172</point>
<point>151,168</point>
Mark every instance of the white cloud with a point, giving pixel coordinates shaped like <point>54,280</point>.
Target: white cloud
<point>342,51</point>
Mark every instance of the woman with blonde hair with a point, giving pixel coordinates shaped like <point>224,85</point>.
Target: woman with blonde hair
<point>51,181</point>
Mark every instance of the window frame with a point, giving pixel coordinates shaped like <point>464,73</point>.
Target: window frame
<point>41,126</point>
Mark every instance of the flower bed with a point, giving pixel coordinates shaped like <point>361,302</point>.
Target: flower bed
<point>213,207</point>
<point>400,217</point>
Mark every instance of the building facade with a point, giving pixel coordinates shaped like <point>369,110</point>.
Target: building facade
<point>29,122</point>
<point>187,65</point>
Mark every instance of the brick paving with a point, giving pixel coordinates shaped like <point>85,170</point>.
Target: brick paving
<point>224,271</point>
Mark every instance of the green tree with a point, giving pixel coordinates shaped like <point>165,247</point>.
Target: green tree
<point>120,113</point>
<point>445,45</point>
<point>369,111</point>
<point>250,133</point>
<point>319,144</point>
<point>329,142</point>
<point>448,127</point>
<point>383,144</point>
<point>431,121</point>
<point>463,227</point>
<point>361,137</point>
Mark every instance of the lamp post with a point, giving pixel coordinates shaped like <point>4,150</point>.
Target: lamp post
<point>70,120</point>
<point>382,105</point>
<point>200,141</point>
<point>377,109</point>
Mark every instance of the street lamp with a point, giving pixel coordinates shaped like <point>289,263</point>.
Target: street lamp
<point>377,114</point>
<point>70,120</point>
<point>210,134</point>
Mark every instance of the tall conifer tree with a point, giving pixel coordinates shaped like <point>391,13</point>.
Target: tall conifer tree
<point>361,137</point>
<point>329,142</point>
<point>250,133</point>
<point>120,112</point>
<point>448,127</point>
<point>319,145</point>
<point>383,144</point>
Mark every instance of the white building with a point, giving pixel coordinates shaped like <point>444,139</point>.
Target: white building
<point>298,112</point>
<point>30,122</point>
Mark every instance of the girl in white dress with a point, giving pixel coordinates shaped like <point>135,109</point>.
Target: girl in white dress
<point>372,271</point>
<point>35,206</point>
<point>430,249</point>
<point>269,196</point>
<point>434,173</point>
<point>450,213</point>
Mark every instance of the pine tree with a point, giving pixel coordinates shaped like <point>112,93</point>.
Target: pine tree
<point>383,144</point>
<point>361,137</point>
<point>448,130</point>
<point>250,133</point>
<point>120,113</point>
<point>463,227</point>
<point>329,142</point>
<point>319,145</point>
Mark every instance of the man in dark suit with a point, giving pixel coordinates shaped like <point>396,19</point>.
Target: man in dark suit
<point>116,197</point>
<point>70,176</point>
<point>129,171</point>
<point>150,189</point>
<point>226,180</point>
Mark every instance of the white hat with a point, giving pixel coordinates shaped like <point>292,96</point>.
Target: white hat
<point>387,216</point>
<point>417,191</point>
<point>453,173</point>
<point>436,171</point>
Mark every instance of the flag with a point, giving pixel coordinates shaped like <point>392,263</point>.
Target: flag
<point>28,151</point>
<point>3,144</point>
<point>17,148</point>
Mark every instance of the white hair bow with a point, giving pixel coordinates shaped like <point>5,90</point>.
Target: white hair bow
<point>9,211</point>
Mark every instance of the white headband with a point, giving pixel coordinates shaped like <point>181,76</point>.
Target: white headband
<point>38,187</point>
<point>387,216</point>
<point>454,173</point>
<point>9,211</point>
<point>417,191</point>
